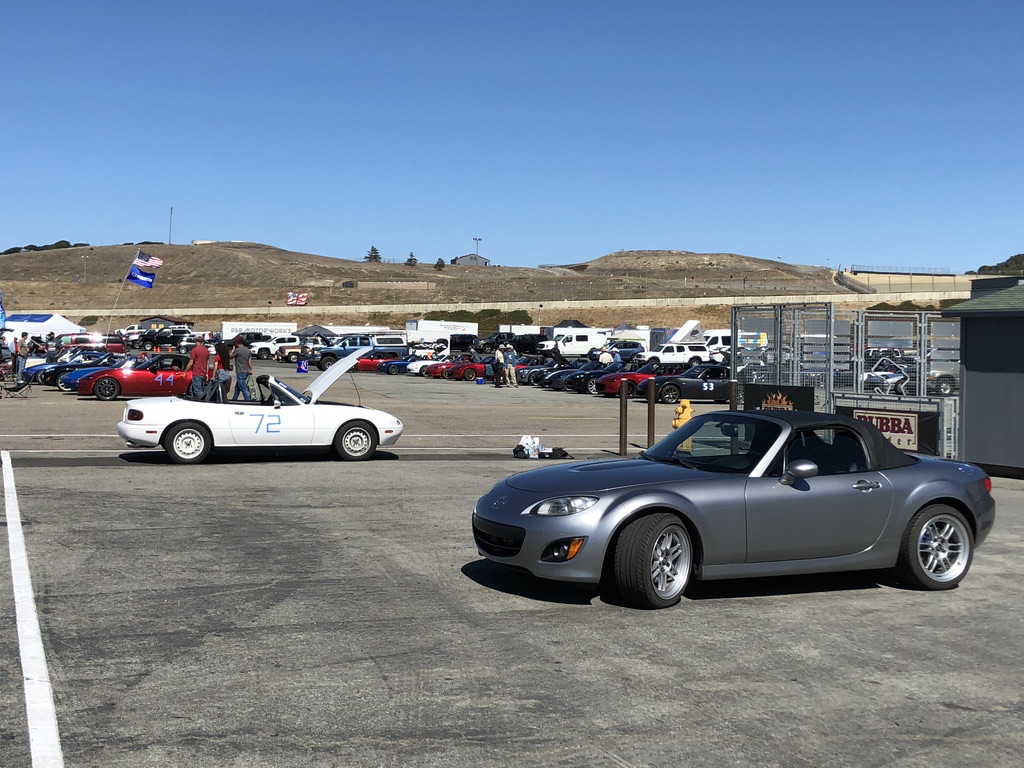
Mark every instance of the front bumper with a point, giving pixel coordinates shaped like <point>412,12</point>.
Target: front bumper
<point>522,543</point>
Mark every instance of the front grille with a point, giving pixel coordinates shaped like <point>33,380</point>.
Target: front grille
<point>497,539</point>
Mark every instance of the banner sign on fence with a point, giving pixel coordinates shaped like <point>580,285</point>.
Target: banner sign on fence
<point>907,430</point>
<point>774,397</point>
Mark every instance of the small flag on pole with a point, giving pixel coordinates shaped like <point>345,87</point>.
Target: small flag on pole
<point>146,261</point>
<point>297,299</point>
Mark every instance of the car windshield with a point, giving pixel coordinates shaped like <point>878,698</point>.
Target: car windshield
<point>717,443</point>
<point>293,392</point>
<point>649,368</point>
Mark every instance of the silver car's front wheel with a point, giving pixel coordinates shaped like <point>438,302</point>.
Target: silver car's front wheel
<point>937,549</point>
<point>653,561</point>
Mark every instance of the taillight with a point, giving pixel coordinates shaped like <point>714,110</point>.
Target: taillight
<point>988,484</point>
<point>134,414</point>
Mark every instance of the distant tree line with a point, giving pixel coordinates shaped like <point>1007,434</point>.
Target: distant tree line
<point>50,247</point>
<point>1008,267</point>
<point>63,244</point>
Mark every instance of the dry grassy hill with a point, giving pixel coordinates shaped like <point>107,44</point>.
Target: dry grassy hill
<point>250,274</point>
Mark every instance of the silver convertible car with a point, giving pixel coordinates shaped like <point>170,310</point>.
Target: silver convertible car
<point>741,494</point>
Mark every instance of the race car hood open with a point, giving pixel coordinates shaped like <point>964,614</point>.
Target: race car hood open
<point>324,380</point>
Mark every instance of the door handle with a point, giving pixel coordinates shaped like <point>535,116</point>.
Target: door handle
<point>866,485</point>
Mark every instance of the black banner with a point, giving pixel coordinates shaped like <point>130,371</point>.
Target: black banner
<point>773,397</point>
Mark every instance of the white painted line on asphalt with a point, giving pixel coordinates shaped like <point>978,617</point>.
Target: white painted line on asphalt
<point>43,734</point>
<point>37,434</point>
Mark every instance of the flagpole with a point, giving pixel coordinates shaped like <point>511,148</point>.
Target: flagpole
<point>110,317</point>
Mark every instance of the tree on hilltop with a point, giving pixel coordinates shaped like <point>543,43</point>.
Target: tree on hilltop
<point>373,255</point>
<point>439,265</point>
<point>411,261</point>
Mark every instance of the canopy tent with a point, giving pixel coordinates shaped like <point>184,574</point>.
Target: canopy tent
<point>41,324</point>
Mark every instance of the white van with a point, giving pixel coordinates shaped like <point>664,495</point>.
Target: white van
<point>718,339</point>
<point>574,343</point>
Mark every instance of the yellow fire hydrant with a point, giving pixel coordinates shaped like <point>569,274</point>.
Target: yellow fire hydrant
<point>684,412</point>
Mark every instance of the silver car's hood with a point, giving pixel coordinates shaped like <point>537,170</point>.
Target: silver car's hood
<point>593,476</point>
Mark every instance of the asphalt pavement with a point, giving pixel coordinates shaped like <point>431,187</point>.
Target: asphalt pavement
<point>294,610</point>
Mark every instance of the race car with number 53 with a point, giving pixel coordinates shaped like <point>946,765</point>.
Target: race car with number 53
<point>281,417</point>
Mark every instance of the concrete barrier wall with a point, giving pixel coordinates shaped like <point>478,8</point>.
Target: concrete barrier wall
<point>509,306</point>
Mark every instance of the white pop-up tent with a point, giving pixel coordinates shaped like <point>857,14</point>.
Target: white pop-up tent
<point>40,325</point>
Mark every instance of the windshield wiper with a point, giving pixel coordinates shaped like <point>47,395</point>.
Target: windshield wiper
<point>669,460</point>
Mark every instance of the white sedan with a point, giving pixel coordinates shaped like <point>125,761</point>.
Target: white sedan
<point>189,429</point>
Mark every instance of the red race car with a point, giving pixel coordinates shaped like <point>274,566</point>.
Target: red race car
<point>469,371</point>
<point>156,375</point>
<point>370,360</point>
<point>608,385</point>
<point>443,370</point>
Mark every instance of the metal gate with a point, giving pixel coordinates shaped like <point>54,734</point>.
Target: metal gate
<point>852,352</point>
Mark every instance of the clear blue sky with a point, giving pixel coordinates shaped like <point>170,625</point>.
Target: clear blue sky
<point>883,132</point>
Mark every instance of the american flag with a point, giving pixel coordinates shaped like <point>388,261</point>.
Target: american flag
<point>297,299</point>
<point>146,261</point>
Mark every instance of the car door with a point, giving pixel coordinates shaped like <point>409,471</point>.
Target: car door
<point>840,511</point>
<point>258,424</point>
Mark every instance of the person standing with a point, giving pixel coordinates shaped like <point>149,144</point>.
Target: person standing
<point>22,355</point>
<point>510,367</point>
<point>242,359</point>
<point>605,358</point>
<point>499,366</point>
<point>199,364</point>
<point>222,367</point>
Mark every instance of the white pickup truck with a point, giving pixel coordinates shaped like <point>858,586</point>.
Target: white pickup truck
<point>694,354</point>
<point>573,343</point>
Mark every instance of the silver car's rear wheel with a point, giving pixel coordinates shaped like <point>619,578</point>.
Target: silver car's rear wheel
<point>937,549</point>
<point>653,561</point>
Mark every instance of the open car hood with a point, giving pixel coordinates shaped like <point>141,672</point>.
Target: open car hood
<point>335,372</point>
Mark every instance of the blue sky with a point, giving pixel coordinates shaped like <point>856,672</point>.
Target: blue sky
<point>818,132</point>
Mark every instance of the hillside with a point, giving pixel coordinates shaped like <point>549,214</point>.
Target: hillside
<point>255,275</point>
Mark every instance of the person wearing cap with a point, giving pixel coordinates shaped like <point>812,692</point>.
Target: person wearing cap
<point>510,366</point>
<point>605,358</point>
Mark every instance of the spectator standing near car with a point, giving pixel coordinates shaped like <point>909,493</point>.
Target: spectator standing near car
<point>222,366</point>
<point>242,359</point>
<point>199,364</point>
<point>616,357</point>
<point>499,365</point>
<point>605,358</point>
<point>22,355</point>
<point>510,366</point>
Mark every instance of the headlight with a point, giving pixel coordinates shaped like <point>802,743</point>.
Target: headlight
<point>565,505</point>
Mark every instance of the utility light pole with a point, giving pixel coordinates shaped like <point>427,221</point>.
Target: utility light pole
<point>477,241</point>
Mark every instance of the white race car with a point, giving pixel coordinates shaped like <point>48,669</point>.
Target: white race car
<point>189,429</point>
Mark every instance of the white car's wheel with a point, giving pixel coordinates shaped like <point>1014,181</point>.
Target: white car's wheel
<point>653,561</point>
<point>356,441</point>
<point>188,443</point>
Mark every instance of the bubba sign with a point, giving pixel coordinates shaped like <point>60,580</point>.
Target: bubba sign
<point>900,428</point>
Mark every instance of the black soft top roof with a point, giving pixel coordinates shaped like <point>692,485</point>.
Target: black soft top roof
<point>881,453</point>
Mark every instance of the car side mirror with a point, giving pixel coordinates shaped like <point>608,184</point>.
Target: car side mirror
<point>277,404</point>
<point>802,468</point>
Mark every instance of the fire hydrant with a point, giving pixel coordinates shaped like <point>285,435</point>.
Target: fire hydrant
<point>684,412</point>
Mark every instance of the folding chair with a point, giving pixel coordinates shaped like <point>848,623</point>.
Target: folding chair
<point>17,389</point>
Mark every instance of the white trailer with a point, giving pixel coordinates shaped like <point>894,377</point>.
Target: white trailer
<point>229,329</point>
<point>434,331</point>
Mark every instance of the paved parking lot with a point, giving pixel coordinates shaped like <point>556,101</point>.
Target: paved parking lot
<point>274,610</point>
